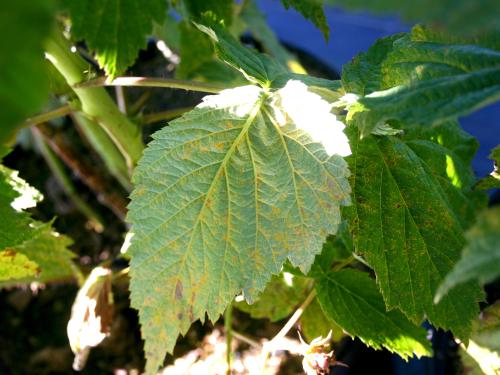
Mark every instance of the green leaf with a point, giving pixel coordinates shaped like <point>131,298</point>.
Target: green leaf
<point>421,82</point>
<point>481,256</point>
<point>224,196</point>
<point>493,180</point>
<point>23,81</point>
<point>261,30</point>
<point>351,299</point>
<point>311,10</point>
<point>14,265</point>
<point>221,9</point>
<point>408,230</point>
<point>427,102</point>
<point>256,67</point>
<point>482,354</point>
<point>29,250</point>
<point>279,299</point>
<point>314,323</point>
<point>198,58</point>
<point>47,250</point>
<point>460,17</point>
<point>114,29</point>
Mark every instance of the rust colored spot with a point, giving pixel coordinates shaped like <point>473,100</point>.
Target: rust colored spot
<point>179,316</point>
<point>9,253</point>
<point>229,124</point>
<point>219,146</point>
<point>178,290</point>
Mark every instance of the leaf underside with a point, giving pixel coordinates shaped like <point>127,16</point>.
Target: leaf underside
<point>223,197</point>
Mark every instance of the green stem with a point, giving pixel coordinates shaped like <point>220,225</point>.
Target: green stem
<point>274,343</point>
<point>151,82</point>
<point>99,140</point>
<point>228,322</point>
<point>59,173</point>
<point>96,103</point>
<point>165,115</point>
<point>47,116</point>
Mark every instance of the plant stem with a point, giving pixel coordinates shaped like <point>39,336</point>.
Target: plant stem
<point>247,340</point>
<point>271,345</point>
<point>228,321</point>
<point>164,116</point>
<point>47,116</point>
<point>59,173</point>
<point>89,176</point>
<point>99,140</point>
<point>151,82</point>
<point>96,103</point>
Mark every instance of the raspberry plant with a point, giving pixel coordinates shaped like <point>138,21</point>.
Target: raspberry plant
<point>361,189</point>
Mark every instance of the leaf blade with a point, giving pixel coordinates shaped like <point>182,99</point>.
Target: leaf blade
<point>252,194</point>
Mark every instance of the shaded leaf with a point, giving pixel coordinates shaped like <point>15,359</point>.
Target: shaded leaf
<point>261,30</point>
<point>114,29</point>
<point>279,299</point>
<point>311,10</point>
<point>223,197</point>
<point>408,229</point>
<point>481,256</point>
<point>351,299</point>
<point>314,323</point>
<point>23,80</point>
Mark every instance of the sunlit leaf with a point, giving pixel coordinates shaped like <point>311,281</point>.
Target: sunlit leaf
<point>420,82</point>
<point>408,228</point>
<point>224,196</point>
<point>493,180</point>
<point>29,250</point>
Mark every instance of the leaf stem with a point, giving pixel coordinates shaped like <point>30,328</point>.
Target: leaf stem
<point>96,102</point>
<point>152,82</point>
<point>246,340</point>
<point>60,174</point>
<point>228,321</point>
<point>47,116</point>
<point>165,115</point>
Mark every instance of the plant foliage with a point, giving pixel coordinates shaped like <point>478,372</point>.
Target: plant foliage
<point>278,187</point>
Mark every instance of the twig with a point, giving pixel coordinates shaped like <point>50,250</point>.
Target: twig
<point>91,178</point>
<point>228,318</point>
<point>247,340</point>
<point>164,116</point>
<point>136,106</point>
<point>60,174</point>
<point>152,82</point>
